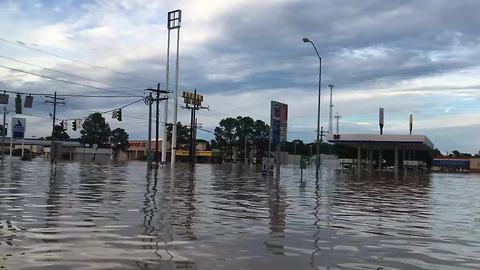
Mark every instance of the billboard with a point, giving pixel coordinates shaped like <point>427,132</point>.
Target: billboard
<point>278,121</point>
<point>18,127</point>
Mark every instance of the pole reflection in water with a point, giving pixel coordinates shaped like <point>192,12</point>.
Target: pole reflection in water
<point>316,223</point>
<point>84,216</point>
<point>276,209</point>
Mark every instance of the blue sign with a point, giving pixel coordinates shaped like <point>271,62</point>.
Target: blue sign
<point>278,121</point>
<point>18,127</point>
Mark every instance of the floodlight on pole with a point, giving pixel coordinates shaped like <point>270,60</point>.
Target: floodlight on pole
<point>173,22</point>
<point>330,112</point>
<point>317,143</point>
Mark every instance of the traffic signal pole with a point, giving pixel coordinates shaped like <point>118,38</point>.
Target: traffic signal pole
<point>157,157</point>
<point>55,101</point>
<point>157,112</point>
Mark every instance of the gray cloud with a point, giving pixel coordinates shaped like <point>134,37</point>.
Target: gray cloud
<point>254,47</point>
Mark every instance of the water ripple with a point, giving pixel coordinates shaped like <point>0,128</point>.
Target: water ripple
<point>82,216</point>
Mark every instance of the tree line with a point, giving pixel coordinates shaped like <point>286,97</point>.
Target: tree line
<point>95,130</point>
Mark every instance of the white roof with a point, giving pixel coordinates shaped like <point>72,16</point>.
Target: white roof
<point>417,142</point>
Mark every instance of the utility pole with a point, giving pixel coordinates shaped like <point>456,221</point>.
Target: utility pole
<point>330,119</point>
<point>157,99</point>
<point>55,100</point>
<point>337,117</point>
<point>4,133</point>
<point>149,101</point>
<point>322,134</point>
<point>157,114</point>
<point>193,102</point>
<point>269,148</point>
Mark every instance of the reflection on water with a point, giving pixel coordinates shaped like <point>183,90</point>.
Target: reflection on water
<point>231,217</point>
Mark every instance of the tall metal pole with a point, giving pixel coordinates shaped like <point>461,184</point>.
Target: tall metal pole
<point>269,148</point>
<point>53,156</point>
<point>157,156</point>
<point>306,40</point>
<point>330,113</point>
<point>318,111</point>
<point>54,115</point>
<point>165,108</point>
<point>149,141</point>
<point>337,117</point>
<point>174,133</point>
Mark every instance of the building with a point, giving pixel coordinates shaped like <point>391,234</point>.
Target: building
<point>138,151</point>
<point>382,150</point>
<point>451,164</point>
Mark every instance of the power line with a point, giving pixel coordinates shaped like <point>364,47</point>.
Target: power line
<point>72,95</point>
<point>66,73</point>
<point>59,80</point>
<point>104,112</point>
<point>22,44</point>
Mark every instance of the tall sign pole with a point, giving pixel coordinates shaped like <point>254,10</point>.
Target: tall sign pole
<point>165,108</point>
<point>411,123</point>
<point>278,123</point>
<point>193,102</point>
<point>380,120</point>
<point>173,22</point>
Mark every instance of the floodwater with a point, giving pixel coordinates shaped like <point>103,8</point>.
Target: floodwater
<point>82,216</point>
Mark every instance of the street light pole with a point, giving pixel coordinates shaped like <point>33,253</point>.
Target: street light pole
<point>306,40</point>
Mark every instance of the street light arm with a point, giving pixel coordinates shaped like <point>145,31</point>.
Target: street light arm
<point>316,51</point>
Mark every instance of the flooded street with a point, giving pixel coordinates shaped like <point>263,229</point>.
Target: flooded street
<point>81,216</point>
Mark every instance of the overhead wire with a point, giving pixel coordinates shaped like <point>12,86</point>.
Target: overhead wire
<point>67,73</point>
<point>70,95</point>
<point>22,44</point>
<point>60,80</point>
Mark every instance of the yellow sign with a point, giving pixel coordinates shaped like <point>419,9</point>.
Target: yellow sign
<point>185,153</point>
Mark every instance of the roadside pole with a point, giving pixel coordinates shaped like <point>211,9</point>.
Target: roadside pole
<point>269,148</point>
<point>149,142</point>
<point>11,144</point>
<point>3,132</point>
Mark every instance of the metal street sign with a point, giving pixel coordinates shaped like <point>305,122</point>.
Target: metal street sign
<point>19,126</point>
<point>278,121</point>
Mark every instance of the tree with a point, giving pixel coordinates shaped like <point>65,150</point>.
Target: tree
<point>119,141</point>
<point>183,134</point>
<point>232,132</point>
<point>436,153</point>
<point>59,134</point>
<point>95,131</point>
<point>226,135</point>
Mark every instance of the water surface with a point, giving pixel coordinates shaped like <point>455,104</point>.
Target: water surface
<point>83,216</point>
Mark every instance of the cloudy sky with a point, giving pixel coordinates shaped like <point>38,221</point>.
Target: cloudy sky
<point>420,57</point>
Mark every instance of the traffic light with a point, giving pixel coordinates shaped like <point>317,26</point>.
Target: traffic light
<point>119,114</point>
<point>18,104</point>
<point>28,102</point>
<point>74,125</point>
